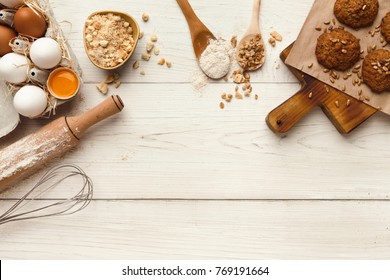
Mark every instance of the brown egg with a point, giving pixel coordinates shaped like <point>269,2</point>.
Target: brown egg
<point>6,35</point>
<point>29,22</point>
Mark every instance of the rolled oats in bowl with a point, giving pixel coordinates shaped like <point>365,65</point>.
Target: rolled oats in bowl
<point>110,38</point>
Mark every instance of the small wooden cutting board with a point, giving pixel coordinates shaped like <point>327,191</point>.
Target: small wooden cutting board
<point>345,112</point>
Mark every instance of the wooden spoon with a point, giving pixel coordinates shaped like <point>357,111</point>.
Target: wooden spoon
<point>253,30</point>
<point>200,34</point>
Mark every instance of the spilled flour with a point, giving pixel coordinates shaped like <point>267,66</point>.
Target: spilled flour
<point>34,150</point>
<point>216,59</point>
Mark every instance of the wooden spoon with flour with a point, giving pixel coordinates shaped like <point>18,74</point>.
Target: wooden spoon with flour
<point>212,54</point>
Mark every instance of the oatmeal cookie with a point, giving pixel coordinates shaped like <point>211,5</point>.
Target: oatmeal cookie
<point>375,71</point>
<point>385,27</point>
<point>338,49</point>
<point>356,13</point>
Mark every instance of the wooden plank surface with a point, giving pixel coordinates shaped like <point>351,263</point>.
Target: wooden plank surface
<point>207,230</point>
<point>177,177</point>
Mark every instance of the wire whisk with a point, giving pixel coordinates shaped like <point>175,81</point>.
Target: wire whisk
<point>23,208</point>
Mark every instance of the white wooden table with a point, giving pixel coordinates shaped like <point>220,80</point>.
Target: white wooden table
<point>177,177</point>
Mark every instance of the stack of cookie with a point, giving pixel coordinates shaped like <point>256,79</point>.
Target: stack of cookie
<point>340,49</point>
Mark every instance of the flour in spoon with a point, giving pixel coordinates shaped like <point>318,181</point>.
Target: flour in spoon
<point>216,59</point>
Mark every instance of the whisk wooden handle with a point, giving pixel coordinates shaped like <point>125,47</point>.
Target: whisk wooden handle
<point>31,153</point>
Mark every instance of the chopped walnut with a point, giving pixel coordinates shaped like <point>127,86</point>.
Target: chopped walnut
<point>251,53</point>
<point>109,39</point>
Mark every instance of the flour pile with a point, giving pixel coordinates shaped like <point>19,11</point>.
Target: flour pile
<point>216,59</point>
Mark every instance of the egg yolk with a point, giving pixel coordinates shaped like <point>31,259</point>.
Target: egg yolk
<point>64,83</point>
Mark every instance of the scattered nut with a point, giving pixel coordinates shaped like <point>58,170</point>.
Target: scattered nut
<point>149,47</point>
<point>145,56</point>
<point>141,34</point>
<point>156,51</point>
<point>238,78</point>
<point>272,41</point>
<point>142,72</point>
<point>276,36</point>
<point>136,64</point>
<point>117,84</point>
<point>169,64</point>
<point>102,87</point>
<point>153,38</point>
<point>233,41</point>
<point>161,61</point>
<point>109,79</point>
<point>221,105</point>
<point>145,17</point>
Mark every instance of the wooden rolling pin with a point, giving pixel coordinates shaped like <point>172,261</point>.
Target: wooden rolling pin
<point>29,154</point>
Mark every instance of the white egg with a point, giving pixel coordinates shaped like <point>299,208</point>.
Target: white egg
<point>11,3</point>
<point>14,68</point>
<point>45,53</point>
<point>30,101</point>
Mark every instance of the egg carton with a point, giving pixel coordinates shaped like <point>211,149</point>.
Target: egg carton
<point>21,45</point>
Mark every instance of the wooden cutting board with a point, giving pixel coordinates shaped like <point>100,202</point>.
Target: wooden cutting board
<point>345,112</point>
